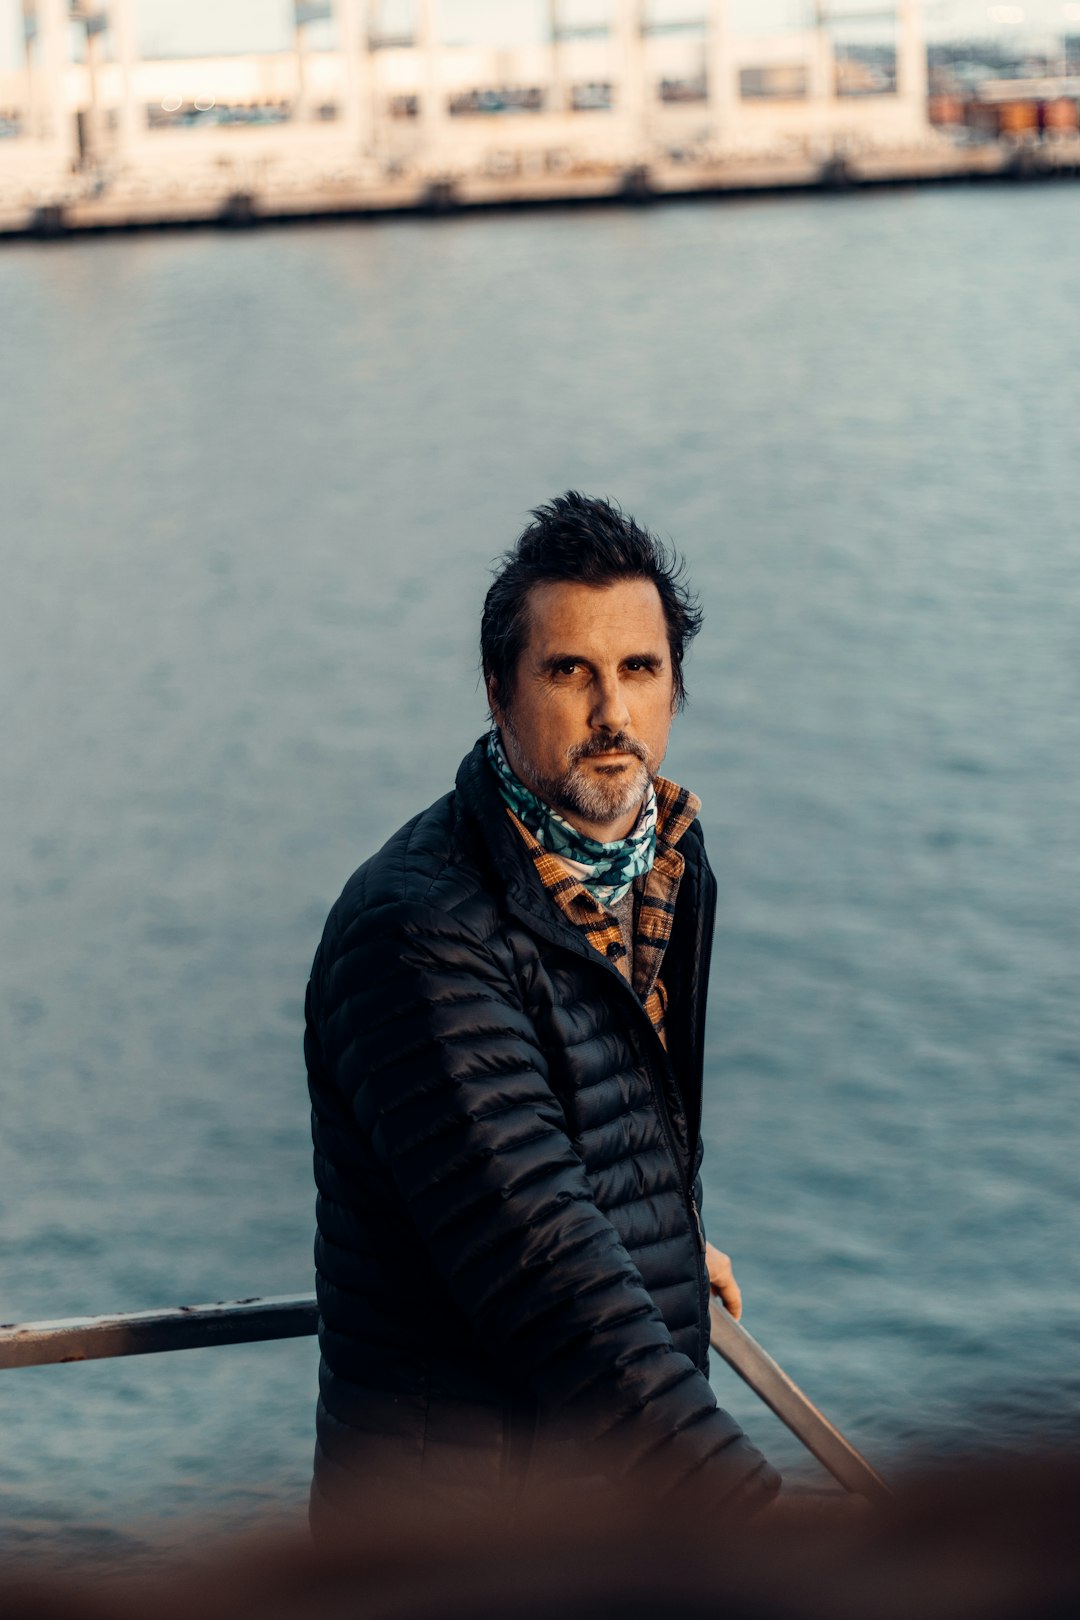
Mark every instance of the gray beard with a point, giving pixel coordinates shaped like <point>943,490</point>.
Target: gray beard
<point>593,798</point>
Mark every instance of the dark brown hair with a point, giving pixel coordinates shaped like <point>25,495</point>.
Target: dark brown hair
<point>586,541</point>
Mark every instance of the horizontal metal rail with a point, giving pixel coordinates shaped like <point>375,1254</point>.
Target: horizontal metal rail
<point>294,1316</point>
<point>141,1333</point>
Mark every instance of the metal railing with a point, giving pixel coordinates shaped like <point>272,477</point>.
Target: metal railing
<point>141,1333</point>
<point>294,1316</point>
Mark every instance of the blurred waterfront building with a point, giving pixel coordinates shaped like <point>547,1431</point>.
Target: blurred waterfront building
<point>618,93</point>
<point>91,133</point>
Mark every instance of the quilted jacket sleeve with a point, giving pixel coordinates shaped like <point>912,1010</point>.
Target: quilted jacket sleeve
<point>427,1038</point>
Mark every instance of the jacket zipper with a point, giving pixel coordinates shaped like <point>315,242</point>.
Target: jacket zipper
<point>692,1212</point>
<point>684,1174</point>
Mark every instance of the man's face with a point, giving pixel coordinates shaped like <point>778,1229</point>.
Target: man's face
<point>588,718</point>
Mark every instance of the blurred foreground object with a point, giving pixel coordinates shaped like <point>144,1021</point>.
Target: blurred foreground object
<point>996,1542</point>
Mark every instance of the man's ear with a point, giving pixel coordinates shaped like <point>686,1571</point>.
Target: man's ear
<point>491,688</point>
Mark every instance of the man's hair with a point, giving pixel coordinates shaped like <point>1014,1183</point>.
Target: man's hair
<point>584,541</point>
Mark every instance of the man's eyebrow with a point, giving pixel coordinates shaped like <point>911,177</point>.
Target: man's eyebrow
<point>555,659</point>
<point>651,660</point>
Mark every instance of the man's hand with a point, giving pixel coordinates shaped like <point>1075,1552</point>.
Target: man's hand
<point>722,1281</point>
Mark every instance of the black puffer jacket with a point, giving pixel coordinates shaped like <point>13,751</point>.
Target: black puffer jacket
<point>508,1242</point>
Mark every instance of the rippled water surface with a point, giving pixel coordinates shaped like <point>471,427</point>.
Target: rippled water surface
<point>251,487</point>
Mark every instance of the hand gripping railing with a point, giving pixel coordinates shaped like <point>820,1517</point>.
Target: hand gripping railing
<point>294,1316</point>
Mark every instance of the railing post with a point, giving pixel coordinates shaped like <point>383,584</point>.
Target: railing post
<point>131,112</point>
<point>557,92</point>
<point>632,89</point>
<point>721,72</point>
<point>56,124</point>
<point>912,82</point>
<point>432,108</point>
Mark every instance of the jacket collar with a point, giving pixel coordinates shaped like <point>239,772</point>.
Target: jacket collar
<point>482,803</point>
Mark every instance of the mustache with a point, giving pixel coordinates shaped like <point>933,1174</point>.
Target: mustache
<point>619,743</point>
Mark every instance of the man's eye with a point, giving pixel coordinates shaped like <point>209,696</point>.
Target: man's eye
<point>567,667</point>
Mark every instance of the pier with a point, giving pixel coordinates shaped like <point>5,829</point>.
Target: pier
<point>624,110</point>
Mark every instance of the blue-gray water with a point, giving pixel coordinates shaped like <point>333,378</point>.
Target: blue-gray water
<point>251,487</point>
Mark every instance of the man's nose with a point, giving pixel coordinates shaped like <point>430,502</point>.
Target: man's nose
<point>609,708</point>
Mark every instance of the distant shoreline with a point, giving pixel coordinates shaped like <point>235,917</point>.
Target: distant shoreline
<point>122,211</point>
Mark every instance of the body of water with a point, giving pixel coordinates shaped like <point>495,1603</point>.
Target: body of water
<point>251,488</point>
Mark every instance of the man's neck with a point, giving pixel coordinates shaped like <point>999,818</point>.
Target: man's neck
<point>602,832</point>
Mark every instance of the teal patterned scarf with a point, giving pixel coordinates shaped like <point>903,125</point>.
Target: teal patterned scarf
<point>606,870</point>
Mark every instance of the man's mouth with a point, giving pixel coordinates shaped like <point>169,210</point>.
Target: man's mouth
<point>617,753</point>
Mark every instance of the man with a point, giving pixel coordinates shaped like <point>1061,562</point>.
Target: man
<point>505,1037</point>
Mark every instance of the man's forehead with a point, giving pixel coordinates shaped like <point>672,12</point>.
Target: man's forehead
<point>626,610</point>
